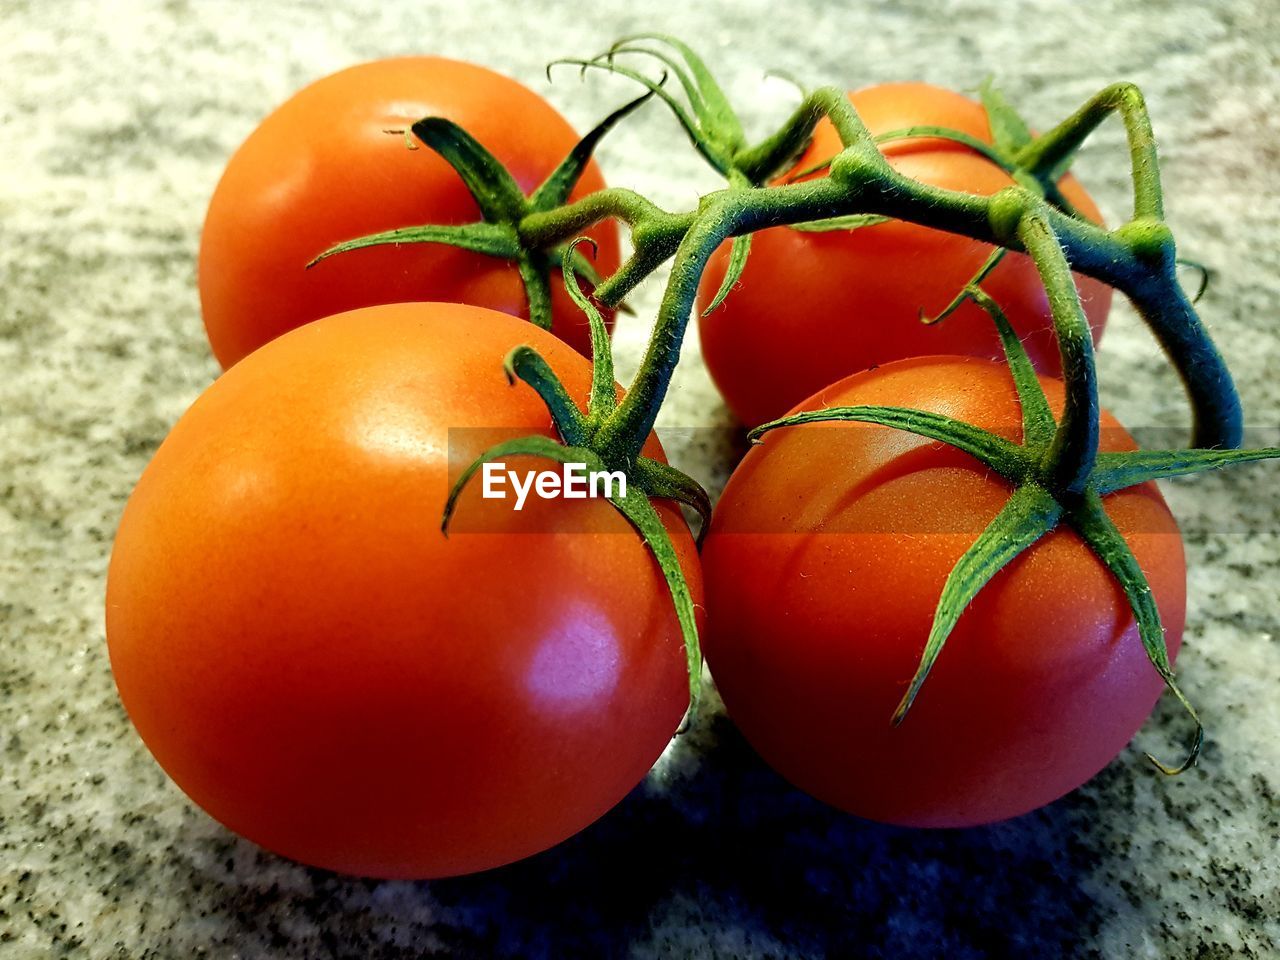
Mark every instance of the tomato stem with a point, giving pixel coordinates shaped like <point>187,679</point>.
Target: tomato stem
<point>629,426</point>
<point>771,155</point>
<point>1162,303</point>
<point>1069,458</point>
<point>1048,153</point>
<point>1121,258</point>
<point>1136,258</point>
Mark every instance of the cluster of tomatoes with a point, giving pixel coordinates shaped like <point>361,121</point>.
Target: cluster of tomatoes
<point>324,671</point>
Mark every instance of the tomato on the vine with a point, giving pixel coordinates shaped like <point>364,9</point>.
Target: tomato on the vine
<point>322,670</point>
<point>323,169</point>
<point>824,563</point>
<point>813,307</point>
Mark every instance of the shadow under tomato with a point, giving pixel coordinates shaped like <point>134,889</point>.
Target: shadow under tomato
<point>731,847</point>
<point>714,855</point>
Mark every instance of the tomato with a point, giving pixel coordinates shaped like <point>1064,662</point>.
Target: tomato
<point>319,668</point>
<point>811,308</point>
<point>823,566</point>
<point>322,169</point>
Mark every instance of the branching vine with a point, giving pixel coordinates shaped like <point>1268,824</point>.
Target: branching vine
<point>1057,471</point>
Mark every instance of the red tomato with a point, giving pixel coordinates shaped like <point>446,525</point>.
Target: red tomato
<point>825,560</point>
<point>320,669</point>
<point>321,169</point>
<point>811,308</point>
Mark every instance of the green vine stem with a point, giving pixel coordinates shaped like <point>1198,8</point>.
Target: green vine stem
<point>1050,153</point>
<point>1069,457</point>
<point>580,442</point>
<point>1138,257</point>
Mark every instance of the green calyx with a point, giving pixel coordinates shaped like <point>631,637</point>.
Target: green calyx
<point>582,440</point>
<point>503,208</point>
<point>707,116</point>
<point>1043,498</point>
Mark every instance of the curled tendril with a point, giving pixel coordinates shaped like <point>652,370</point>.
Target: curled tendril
<point>1204,273</point>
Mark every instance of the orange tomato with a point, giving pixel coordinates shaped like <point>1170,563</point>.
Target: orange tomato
<point>322,169</point>
<point>319,668</point>
<point>823,566</point>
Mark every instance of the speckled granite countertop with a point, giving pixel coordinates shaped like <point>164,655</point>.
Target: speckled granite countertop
<point>115,120</point>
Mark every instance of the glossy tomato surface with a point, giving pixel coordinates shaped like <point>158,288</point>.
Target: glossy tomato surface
<point>319,668</point>
<point>322,169</point>
<point>824,563</point>
<point>811,308</point>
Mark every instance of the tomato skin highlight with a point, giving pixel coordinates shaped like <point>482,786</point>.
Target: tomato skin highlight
<point>319,668</point>
<point>823,566</point>
<point>811,308</point>
<point>322,169</point>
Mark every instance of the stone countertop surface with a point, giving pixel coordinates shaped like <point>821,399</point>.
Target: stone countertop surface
<point>115,122</point>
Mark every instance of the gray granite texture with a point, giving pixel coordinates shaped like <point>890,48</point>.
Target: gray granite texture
<point>115,121</point>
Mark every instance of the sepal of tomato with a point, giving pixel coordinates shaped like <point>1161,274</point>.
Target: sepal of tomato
<point>317,666</point>
<point>503,206</point>
<point>323,169</point>
<point>709,120</point>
